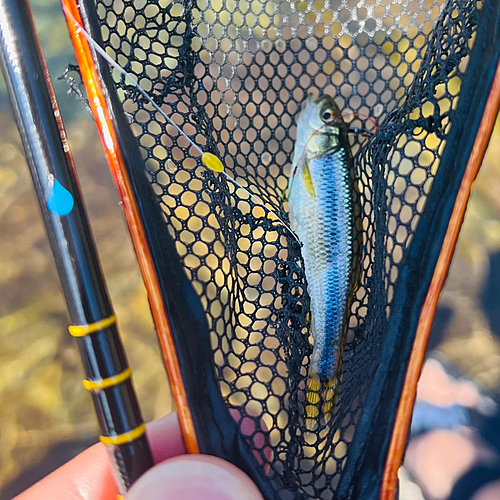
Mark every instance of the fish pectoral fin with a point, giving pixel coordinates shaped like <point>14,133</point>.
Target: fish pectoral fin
<point>308,182</point>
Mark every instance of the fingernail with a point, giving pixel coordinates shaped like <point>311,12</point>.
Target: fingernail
<point>194,477</point>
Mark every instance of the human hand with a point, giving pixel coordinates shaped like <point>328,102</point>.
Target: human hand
<point>176,476</point>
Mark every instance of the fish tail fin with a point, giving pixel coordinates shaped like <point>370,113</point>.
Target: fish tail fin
<point>313,396</point>
<point>320,399</point>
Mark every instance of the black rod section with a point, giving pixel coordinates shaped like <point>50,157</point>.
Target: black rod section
<point>108,375</point>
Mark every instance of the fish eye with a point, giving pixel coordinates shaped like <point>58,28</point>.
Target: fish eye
<point>327,115</point>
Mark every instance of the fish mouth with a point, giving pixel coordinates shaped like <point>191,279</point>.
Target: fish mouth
<point>331,128</point>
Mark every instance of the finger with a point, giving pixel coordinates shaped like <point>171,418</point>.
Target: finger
<point>89,476</point>
<point>165,438</point>
<point>194,477</point>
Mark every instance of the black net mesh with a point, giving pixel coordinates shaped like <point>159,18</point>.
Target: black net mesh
<point>233,75</point>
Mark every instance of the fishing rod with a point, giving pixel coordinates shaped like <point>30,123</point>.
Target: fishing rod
<point>93,322</point>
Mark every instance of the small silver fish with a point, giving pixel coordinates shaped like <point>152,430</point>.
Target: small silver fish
<point>320,197</point>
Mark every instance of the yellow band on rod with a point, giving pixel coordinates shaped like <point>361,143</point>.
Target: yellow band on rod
<point>126,437</point>
<point>82,330</point>
<point>120,497</point>
<point>104,383</point>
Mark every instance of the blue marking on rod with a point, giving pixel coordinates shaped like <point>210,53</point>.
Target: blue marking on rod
<point>60,200</point>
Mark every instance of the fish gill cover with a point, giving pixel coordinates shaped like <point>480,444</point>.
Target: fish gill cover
<point>233,75</point>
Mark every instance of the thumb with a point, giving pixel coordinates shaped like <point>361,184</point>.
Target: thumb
<point>194,477</point>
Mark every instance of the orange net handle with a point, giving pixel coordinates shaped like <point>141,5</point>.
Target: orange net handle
<point>408,395</point>
<point>117,166</point>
